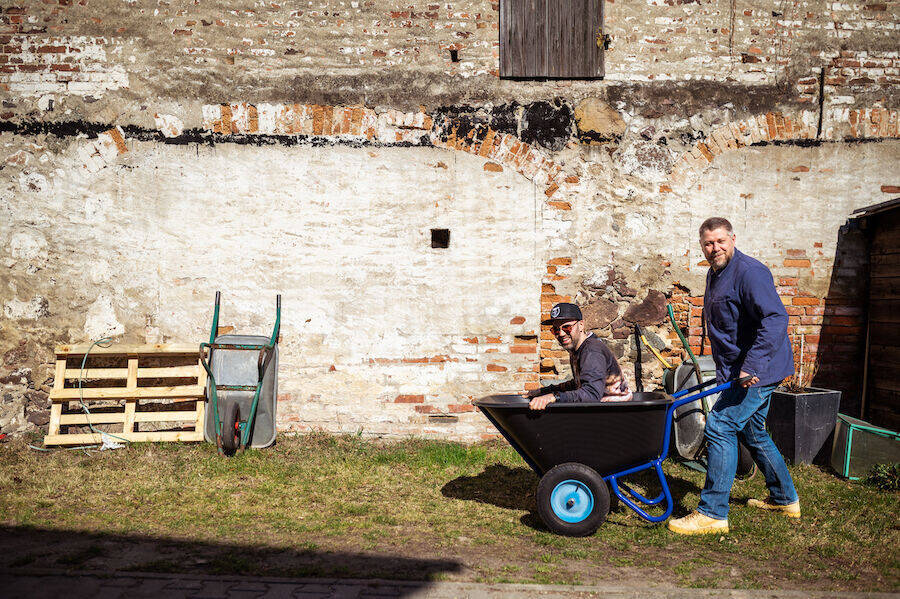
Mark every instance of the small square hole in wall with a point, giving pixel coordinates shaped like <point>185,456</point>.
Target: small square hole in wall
<point>454,55</point>
<point>440,238</point>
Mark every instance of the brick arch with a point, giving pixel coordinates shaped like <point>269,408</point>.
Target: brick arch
<point>500,151</point>
<point>842,125</point>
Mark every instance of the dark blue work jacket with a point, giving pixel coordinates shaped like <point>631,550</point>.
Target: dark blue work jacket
<point>746,322</point>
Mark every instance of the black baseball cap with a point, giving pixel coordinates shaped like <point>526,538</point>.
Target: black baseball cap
<point>563,312</point>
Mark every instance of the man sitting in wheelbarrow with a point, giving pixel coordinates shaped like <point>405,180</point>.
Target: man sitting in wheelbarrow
<point>596,373</point>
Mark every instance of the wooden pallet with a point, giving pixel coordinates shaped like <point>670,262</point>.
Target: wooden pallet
<point>119,393</point>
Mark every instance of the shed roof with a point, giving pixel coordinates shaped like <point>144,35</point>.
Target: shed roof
<point>876,208</point>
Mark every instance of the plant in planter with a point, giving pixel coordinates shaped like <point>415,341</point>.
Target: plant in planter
<point>802,417</point>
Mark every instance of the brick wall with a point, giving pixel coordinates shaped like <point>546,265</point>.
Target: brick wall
<point>156,136</point>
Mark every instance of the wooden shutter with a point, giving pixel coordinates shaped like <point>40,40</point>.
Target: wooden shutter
<point>551,38</point>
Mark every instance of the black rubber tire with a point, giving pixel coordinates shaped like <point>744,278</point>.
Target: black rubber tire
<point>231,432</point>
<point>587,477</point>
<point>746,467</point>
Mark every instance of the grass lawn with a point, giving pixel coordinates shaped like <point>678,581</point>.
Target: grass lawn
<point>319,505</point>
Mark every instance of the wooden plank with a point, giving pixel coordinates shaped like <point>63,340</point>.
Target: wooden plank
<point>884,310</point>
<point>600,55</point>
<point>93,438</point>
<point>201,373</point>
<point>886,352</point>
<point>884,288</point>
<point>59,381</point>
<point>131,404</point>
<point>885,380</point>
<point>115,417</point>
<point>199,414</point>
<point>125,349</point>
<point>176,392</point>
<point>535,38</point>
<point>166,372</point>
<point>93,418</point>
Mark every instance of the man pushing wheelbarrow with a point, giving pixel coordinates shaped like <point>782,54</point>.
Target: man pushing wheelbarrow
<point>585,436</point>
<point>747,326</point>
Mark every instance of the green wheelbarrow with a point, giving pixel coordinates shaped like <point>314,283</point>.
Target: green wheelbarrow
<point>242,386</point>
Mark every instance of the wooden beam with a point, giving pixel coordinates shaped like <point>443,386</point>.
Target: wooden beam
<point>93,438</point>
<point>114,417</point>
<point>126,349</point>
<point>180,391</point>
<point>167,372</point>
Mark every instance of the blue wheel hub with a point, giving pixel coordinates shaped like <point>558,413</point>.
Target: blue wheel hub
<point>572,501</point>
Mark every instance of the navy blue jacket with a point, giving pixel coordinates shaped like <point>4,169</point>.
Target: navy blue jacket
<point>591,363</point>
<point>746,322</point>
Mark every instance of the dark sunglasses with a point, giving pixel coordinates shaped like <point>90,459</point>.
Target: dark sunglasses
<point>566,328</point>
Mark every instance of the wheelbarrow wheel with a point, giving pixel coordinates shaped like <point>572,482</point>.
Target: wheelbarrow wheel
<point>746,467</point>
<point>231,428</point>
<point>572,500</point>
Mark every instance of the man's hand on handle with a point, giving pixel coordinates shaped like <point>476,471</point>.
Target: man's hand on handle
<point>541,401</point>
<point>751,381</point>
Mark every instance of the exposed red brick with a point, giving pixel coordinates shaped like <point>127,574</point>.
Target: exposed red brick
<point>460,408</point>
<point>409,399</point>
<point>890,188</point>
<point>496,368</point>
<point>517,320</point>
<point>797,263</point>
<point>523,349</point>
<point>423,409</point>
<point>560,205</point>
<point>493,167</point>
<point>805,301</point>
<point>493,340</point>
<point>470,339</point>
<point>560,261</point>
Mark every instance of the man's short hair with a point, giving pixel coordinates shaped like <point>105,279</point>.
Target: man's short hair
<point>716,222</point>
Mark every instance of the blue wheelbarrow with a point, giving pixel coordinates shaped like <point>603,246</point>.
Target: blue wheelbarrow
<point>582,451</point>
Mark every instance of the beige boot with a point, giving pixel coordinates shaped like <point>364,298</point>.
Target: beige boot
<point>696,523</point>
<point>791,510</point>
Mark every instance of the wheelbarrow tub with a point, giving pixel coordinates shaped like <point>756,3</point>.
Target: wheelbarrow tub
<point>239,367</point>
<point>609,437</point>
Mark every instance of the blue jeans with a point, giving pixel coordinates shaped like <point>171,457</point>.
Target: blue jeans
<point>741,414</point>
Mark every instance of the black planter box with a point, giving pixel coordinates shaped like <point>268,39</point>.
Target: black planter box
<point>802,423</point>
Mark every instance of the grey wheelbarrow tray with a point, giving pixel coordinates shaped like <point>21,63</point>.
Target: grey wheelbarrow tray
<point>582,451</point>
<point>243,372</point>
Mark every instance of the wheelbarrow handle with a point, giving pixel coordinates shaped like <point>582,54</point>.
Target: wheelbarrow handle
<point>681,399</point>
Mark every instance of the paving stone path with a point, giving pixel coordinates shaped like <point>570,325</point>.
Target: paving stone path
<point>52,584</point>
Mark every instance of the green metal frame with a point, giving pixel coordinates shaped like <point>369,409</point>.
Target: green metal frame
<point>266,352</point>
<point>881,432</point>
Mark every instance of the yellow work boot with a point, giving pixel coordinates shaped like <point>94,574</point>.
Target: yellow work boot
<point>696,523</point>
<point>791,510</point>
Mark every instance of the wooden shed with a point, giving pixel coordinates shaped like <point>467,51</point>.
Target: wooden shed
<point>881,387</point>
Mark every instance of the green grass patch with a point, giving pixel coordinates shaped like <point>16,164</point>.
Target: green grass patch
<point>322,505</point>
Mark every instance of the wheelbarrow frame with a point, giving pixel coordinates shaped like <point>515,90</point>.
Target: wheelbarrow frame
<point>266,353</point>
<point>622,491</point>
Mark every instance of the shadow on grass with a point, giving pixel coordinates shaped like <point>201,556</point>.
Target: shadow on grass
<point>514,488</point>
<point>29,549</point>
<point>509,488</point>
